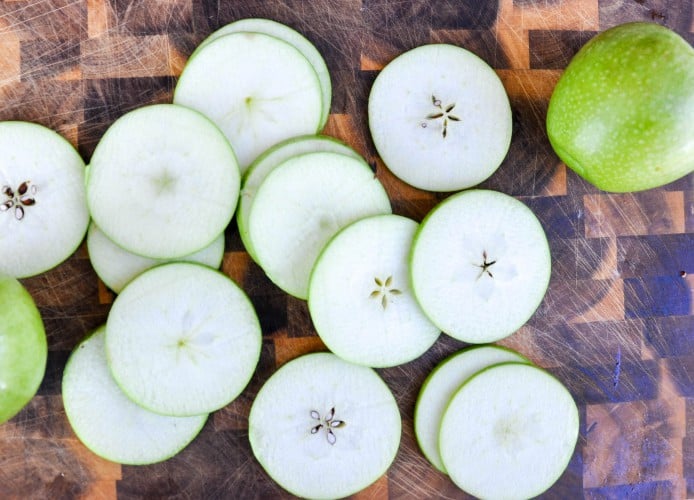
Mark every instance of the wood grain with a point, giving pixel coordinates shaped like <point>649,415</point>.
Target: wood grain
<point>616,326</point>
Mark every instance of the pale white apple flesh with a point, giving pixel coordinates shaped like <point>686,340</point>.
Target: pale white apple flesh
<point>440,118</point>
<point>110,424</point>
<point>438,389</point>
<point>292,37</point>
<point>116,267</point>
<point>480,265</point>
<point>163,182</point>
<point>360,299</point>
<point>43,208</point>
<point>257,88</point>
<point>301,205</point>
<point>508,432</point>
<point>324,428</point>
<point>267,162</point>
<point>182,339</point>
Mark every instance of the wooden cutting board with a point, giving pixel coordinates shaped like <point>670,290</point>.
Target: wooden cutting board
<point>616,326</point>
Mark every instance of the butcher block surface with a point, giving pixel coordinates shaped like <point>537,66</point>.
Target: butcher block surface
<point>616,325</point>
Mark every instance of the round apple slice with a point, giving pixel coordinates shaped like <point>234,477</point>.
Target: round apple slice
<point>509,432</point>
<point>116,267</point>
<point>163,182</point>
<point>292,37</point>
<point>301,205</point>
<point>360,298</point>
<point>480,265</point>
<point>438,389</point>
<point>182,339</point>
<point>258,89</point>
<point>324,428</point>
<point>110,424</point>
<point>43,209</point>
<point>267,162</point>
<point>440,118</point>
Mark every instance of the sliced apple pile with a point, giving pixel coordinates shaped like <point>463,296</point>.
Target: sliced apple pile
<point>267,162</point>
<point>499,426</point>
<point>508,432</point>
<point>108,422</point>
<point>303,203</point>
<point>182,340</point>
<point>163,182</point>
<point>293,38</point>
<point>438,389</point>
<point>259,90</point>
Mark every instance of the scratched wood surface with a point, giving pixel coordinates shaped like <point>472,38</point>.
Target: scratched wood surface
<point>616,326</point>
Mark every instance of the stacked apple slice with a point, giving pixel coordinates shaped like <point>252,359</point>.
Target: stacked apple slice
<point>261,82</point>
<point>302,203</point>
<point>268,161</point>
<point>180,341</point>
<point>499,426</point>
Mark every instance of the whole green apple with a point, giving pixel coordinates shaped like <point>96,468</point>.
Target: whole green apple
<point>23,348</point>
<point>622,114</point>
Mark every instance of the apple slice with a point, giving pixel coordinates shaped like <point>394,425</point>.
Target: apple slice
<point>116,267</point>
<point>23,347</point>
<point>438,389</point>
<point>508,432</point>
<point>267,162</point>
<point>163,182</point>
<point>360,298</point>
<point>301,204</point>
<point>182,339</point>
<point>480,265</point>
<point>110,424</point>
<point>292,37</point>
<point>43,209</point>
<point>440,118</point>
<point>258,89</point>
<point>324,428</point>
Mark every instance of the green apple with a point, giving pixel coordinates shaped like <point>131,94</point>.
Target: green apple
<point>23,348</point>
<point>622,114</point>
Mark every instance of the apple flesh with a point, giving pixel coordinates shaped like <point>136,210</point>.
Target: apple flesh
<point>440,118</point>
<point>23,348</point>
<point>480,265</point>
<point>622,114</point>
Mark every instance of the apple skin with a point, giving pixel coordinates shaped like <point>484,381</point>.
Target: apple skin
<point>23,348</point>
<point>622,114</point>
